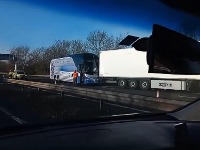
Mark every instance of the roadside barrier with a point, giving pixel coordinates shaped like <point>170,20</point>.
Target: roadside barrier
<point>123,98</point>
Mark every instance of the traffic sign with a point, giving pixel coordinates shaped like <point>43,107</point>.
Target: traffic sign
<point>7,57</point>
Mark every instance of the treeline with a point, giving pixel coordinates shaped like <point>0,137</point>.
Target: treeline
<point>37,61</point>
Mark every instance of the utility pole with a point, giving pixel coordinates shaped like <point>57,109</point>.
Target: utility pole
<point>15,60</point>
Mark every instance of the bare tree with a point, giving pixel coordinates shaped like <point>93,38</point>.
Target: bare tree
<point>36,62</point>
<point>59,49</point>
<point>77,46</point>
<point>99,40</point>
<point>43,56</point>
<point>21,53</point>
<point>64,48</point>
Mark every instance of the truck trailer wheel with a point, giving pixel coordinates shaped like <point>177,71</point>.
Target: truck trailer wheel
<point>144,84</point>
<point>122,83</point>
<point>133,84</point>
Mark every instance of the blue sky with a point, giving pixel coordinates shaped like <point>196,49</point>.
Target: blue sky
<point>39,23</point>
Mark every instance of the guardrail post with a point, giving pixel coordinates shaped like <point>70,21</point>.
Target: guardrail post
<point>4,79</point>
<point>101,106</point>
<point>61,94</point>
<point>61,103</point>
<point>38,89</point>
<point>22,88</point>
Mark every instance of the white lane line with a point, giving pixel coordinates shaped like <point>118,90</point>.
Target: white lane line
<point>125,114</point>
<point>20,121</point>
<point>116,105</point>
<point>143,111</point>
<point>187,96</point>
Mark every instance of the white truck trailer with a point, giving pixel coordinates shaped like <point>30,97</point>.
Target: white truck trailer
<point>129,68</point>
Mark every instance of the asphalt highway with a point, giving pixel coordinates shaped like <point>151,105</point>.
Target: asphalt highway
<point>32,107</point>
<point>43,107</point>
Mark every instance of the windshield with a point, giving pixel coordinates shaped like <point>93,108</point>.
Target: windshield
<point>91,66</point>
<point>20,72</point>
<point>89,69</point>
<point>139,57</point>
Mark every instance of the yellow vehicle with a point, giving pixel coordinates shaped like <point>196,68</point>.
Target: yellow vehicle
<point>10,74</point>
<point>19,74</point>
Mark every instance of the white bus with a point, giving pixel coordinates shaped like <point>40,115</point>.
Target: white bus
<point>86,64</point>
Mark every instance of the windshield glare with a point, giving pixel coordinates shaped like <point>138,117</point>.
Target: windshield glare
<point>144,55</point>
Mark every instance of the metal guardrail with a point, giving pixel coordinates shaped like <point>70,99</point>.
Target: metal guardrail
<point>124,98</point>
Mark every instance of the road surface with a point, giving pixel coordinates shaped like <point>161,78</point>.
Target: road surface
<point>42,107</point>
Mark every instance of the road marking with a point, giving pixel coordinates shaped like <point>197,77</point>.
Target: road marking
<point>20,121</point>
<point>116,105</point>
<point>187,97</point>
<point>131,114</point>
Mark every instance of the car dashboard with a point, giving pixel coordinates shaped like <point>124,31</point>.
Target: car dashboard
<point>139,133</point>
